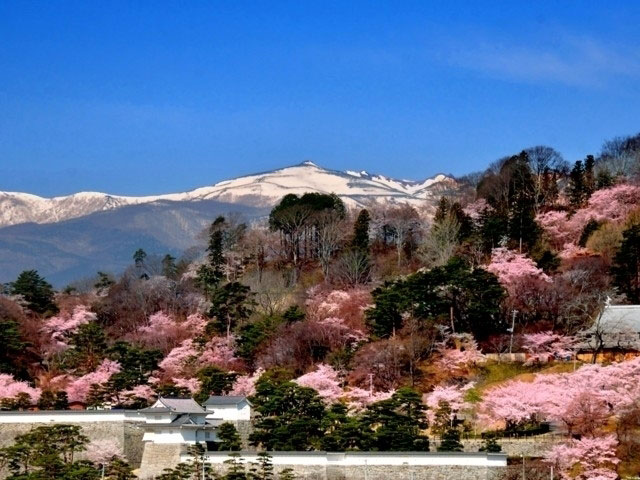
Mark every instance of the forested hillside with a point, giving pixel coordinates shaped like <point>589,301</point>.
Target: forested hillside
<point>369,329</point>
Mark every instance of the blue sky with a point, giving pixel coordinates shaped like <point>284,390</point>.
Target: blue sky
<point>150,97</point>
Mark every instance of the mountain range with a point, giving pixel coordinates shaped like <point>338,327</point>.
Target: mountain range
<point>72,236</point>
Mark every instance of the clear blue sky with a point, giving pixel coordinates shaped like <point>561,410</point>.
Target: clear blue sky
<point>149,97</point>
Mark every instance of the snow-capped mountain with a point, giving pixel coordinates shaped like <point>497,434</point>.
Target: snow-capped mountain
<point>258,190</point>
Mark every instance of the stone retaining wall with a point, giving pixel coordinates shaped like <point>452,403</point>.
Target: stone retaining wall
<point>387,472</point>
<point>126,435</point>
<point>158,456</point>
<point>516,447</point>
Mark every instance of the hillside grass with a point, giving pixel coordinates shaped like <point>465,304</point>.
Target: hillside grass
<point>494,373</point>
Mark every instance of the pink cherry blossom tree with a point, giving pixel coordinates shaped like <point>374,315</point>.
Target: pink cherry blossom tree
<point>218,351</point>
<point>586,459</point>
<point>325,380</point>
<point>60,326</point>
<point>359,398</point>
<point>457,352</point>
<point>546,346</point>
<point>102,451</point>
<point>246,384</point>
<point>164,331</point>
<point>178,359</point>
<point>78,388</point>
<point>191,384</point>
<point>561,397</point>
<point>10,388</point>
<point>144,392</point>
<point>611,204</point>
<point>512,268</point>
<point>452,394</point>
<point>347,305</point>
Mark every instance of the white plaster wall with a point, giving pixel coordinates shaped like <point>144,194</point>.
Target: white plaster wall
<point>232,413</point>
<point>159,418</point>
<point>71,416</point>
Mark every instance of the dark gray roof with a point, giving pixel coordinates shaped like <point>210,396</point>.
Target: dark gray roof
<point>226,400</point>
<point>156,410</point>
<point>177,405</point>
<point>618,327</point>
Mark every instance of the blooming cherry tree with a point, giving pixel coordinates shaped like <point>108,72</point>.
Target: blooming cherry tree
<point>164,331</point>
<point>359,398</point>
<point>545,346</point>
<point>611,204</point>
<point>10,388</point>
<point>453,395</point>
<point>78,388</point>
<point>59,327</point>
<point>513,268</point>
<point>324,379</point>
<point>457,353</point>
<point>102,451</point>
<point>246,384</point>
<point>589,458</point>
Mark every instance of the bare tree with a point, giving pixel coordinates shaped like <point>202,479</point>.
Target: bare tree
<point>544,161</point>
<point>440,243</point>
<point>271,291</point>
<point>404,223</point>
<point>621,156</point>
<point>330,235</point>
<point>352,268</point>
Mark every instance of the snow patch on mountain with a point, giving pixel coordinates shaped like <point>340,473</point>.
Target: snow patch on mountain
<point>262,189</point>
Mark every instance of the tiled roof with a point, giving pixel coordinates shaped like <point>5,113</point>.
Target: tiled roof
<point>177,405</point>
<point>618,326</point>
<point>225,400</point>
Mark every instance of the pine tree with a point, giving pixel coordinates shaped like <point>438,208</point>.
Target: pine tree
<point>210,275</point>
<point>229,438</point>
<point>47,400</point>
<point>589,176</point>
<point>138,257</point>
<point>118,469</point>
<point>287,474</point>
<point>626,268</point>
<point>235,468</point>
<point>577,192</point>
<point>360,239</point>
<point>490,445</point>
<point>442,418</point>
<point>169,268</point>
<point>263,468</point>
<point>604,179</point>
<point>103,283</point>
<point>36,291</point>
<point>444,206</point>
<point>523,229</point>
<point>62,402</point>
<point>450,441</point>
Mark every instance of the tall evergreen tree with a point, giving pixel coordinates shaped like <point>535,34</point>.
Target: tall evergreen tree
<point>229,438</point>
<point>577,192</point>
<point>36,291</point>
<point>211,274</point>
<point>138,257</point>
<point>450,441</point>
<point>589,176</point>
<point>626,267</point>
<point>169,267</point>
<point>396,424</point>
<point>444,206</point>
<point>12,344</point>
<point>523,229</point>
<point>360,239</point>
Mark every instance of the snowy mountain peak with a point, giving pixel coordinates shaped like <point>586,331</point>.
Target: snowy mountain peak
<point>261,190</point>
